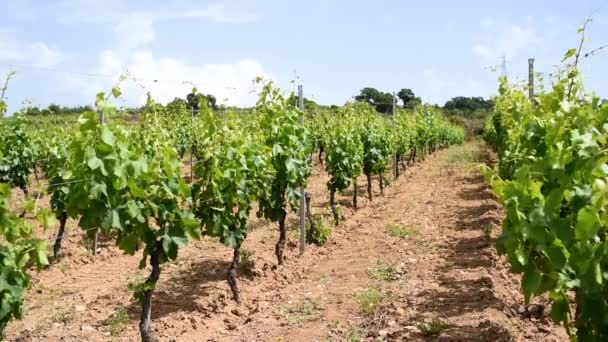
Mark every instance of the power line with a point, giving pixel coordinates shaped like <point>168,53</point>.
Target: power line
<point>89,74</point>
<point>126,74</point>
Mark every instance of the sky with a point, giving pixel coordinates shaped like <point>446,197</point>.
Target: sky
<point>66,51</point>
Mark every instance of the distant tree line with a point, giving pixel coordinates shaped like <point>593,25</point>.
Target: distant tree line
<point>469,112</point>
<point>54,109</point>
<point>463,105</point>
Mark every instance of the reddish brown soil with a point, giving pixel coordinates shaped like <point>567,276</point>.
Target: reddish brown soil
<point>447,270</point>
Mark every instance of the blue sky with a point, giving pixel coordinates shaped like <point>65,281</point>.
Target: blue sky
<point>439,49</point>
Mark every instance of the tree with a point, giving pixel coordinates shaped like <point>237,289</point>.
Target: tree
<point>408,98</point>
<point>194,100</point>
<point>33,111</point>
<point>468,104</point>
<point>55,109</point>
<point>383,102</point>
<point>309,105</point>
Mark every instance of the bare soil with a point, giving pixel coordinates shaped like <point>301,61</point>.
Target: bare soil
<point>445,271</point>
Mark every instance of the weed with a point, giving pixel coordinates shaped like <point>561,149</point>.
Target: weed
<point>304,311</point>
<point>354,334</point>
<point>396,230</point>
<point>432,328</point>
<point>62,317</point>
<point>383,272</point>
<point>88,242</point>
<point>117,321</point>
<point>64,268</point>
<point>334,324</point>
<point>369,299</point>
<point>321,233</point>
<point>338,209</point>
<point>247,261</point>
<point>487,232</point>
<point>460,156</point>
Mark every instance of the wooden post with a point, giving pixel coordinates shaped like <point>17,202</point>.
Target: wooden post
<point>531,79</point>
<point>302,190</point>
<point>395,156</point>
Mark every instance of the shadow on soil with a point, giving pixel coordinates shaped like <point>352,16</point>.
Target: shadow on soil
<point>180,293</point>
<point>473,294</point>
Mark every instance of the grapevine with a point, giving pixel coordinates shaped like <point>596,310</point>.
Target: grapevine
<point>552,180</point>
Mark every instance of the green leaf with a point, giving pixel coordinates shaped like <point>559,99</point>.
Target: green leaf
<point>192,228</point>
<point>587,225</point>
<point>559,310</point>
<point>97,190</point>
<point>116,92</point>
<point>107,136</point>
<point>598,273</point>
<point>116,223</point>
<point>530,281</point>
<point>557,253</point>
<point>94,163</point>
<point>46,218</point>
<point>568,54</point>
<point>41,254</point>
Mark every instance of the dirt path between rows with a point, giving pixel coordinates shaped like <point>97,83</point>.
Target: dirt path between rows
<point>443,281</point>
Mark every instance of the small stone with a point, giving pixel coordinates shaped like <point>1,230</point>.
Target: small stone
<point>410,328</point>
<point>80,308</point>
<point>382,333</point>
<point>87,328</point>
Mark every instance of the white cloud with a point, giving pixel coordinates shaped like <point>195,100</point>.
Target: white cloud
<point>216,13</point>
<point>498,39</point>
<point>231,83</point>
<point>37,54</point>
<point>134,30</point>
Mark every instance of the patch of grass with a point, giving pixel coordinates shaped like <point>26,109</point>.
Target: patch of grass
<point>397,230</point>
<point>117,321</point>
<point>461,156</point>
<point>321,233</point>
<point>487,232</point>
<point>305,311</point>
<point>432,328</point>
<point>383,272</point>
<point>369,300</point>
<point>354,334</point>
<point>64,268</point>
<point>334,324</point>
<point>338,209</point>
<point>247,261</point>
<point>62,317</point>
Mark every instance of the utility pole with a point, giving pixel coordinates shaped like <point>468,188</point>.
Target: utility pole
<point>504,66</point>
<point>302,190</point>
